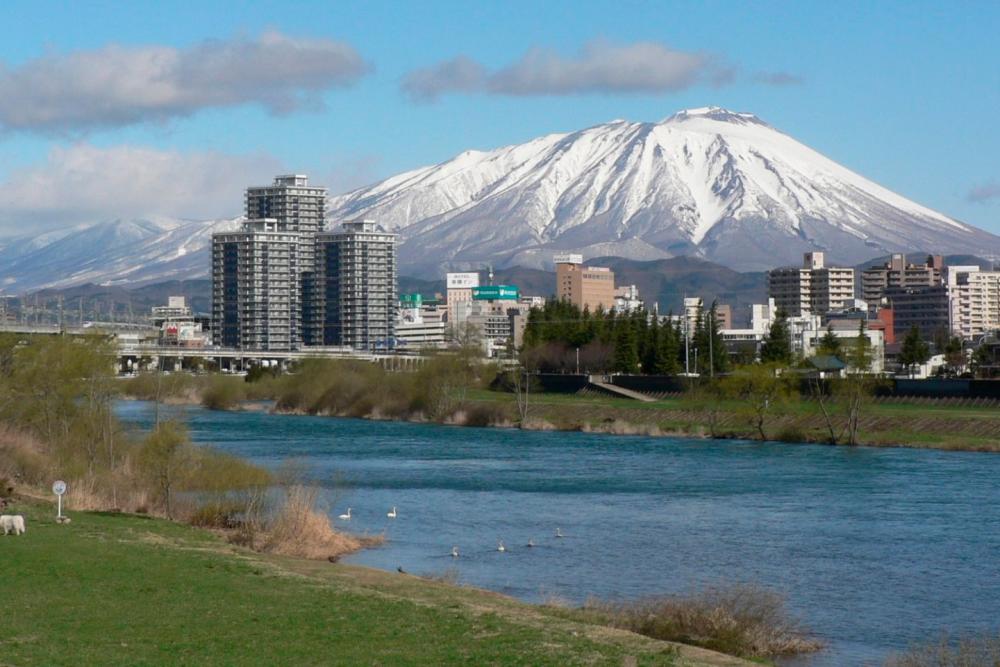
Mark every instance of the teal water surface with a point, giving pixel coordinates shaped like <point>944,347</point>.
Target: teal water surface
<point>874,548</point>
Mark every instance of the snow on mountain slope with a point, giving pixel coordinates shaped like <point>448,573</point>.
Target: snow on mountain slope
<point>122,251</point>
<point>708,182</point>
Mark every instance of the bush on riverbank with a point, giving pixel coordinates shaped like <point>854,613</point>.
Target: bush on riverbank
<point>966,652</point>
<point>743,620</point>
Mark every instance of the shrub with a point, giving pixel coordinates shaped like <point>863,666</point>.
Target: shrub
<point>966,652</point>
<point>743,620</point>
<point>299,528</point>
<point>222,393</point>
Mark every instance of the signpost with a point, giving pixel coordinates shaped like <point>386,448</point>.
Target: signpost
<point>59,488</point>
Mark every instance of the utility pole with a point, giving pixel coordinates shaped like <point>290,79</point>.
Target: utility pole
<point>687,353</point>
<point>711,344</point>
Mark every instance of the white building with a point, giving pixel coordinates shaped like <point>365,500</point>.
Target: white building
<point>419,326</point>
<point>973,300</point>
<point>811,288</point>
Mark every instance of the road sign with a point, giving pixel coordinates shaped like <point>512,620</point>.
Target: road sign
<point>59,488</point>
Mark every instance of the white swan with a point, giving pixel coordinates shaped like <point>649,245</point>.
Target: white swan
<point>454,552</point>
<point>500,546</point>
<point>559,532</point>
<point>346,517</point>
<point>392,514</point>
<point>531,542</point>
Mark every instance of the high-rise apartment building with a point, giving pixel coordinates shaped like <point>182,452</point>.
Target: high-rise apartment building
<point>354,302</point>
<point>590,287</point>
<point>255,287</point>
<point>261,273</point>
<point>974,301</point>
<point>897,273</point>
<point>813,288</point>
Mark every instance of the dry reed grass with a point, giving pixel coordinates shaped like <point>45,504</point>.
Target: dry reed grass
<point>300,528</point>
<point>743,620</point>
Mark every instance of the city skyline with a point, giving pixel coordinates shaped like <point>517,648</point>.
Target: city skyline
<point>369,94</point>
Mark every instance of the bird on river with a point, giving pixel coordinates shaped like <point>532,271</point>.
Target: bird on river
<point>501,547</point>
<point>454,552</point>
<point>392,514</point>
<point>531,543</point>
<point>559,532</point>
<point>346,517</point>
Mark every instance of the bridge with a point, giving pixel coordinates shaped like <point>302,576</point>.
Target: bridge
<point>135,352</point>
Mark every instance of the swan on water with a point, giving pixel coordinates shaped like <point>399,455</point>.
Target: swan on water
<point>559,532</point>
<point>531,542</point>
<point>500,546</point>
<point>454,552</point>
<point>346,517</point>
<point>392,514</point>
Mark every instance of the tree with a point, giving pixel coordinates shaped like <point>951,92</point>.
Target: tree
<point>829,344</point>
<point>761,388</point>
<point>626,348</point>
<point>777,347</point>
<point>858,387</point>
<point>166,456</point>
<point>914,350</point>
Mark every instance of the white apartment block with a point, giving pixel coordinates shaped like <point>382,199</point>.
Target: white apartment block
<point>811,288</point>
<point>974,301</point>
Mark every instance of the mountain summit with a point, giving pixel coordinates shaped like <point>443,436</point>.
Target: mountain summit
<point>712,183</point>
<point>708,183</point>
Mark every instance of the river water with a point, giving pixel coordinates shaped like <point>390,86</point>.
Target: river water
<point>874,548</point>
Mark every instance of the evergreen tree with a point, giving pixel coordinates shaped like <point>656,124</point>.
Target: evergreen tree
<point>914,350</point>
<point>651,356</point>
<point>829,344</point>
<point>719,353</point>
<point>777,347</point>
<point>626,359</point>
<point>859,357</point>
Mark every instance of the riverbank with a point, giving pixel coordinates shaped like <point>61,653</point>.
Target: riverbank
<point>916,424</point>
<point>125,589</point>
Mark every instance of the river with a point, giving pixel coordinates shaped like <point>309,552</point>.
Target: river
<point>874,548</point>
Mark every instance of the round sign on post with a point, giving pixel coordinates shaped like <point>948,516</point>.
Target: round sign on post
<point>59,488</point>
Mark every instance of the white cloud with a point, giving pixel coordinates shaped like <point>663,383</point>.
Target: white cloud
<point>115,85</point>
<point>600,67</point>
<point>84,184</point>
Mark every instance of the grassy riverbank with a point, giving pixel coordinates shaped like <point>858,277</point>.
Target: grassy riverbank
<point>121,589</point>
<point>448,393</point>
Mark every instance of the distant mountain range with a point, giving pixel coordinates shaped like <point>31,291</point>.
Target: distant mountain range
<point>708,183</point>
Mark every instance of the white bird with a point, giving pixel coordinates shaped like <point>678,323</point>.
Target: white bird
<point>531,542</point>
<point>392,514</point>
<point>501,547</point>
<point>454,552</point>
<point>559,532</point>
<point>346,517</point>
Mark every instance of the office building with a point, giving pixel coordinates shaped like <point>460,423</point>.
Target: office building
<point>926,308</point>
<point>459,288</point>
<point>590,287</point>
<point>354,300</point>
<point>813,288</point>
<point>897,273</point>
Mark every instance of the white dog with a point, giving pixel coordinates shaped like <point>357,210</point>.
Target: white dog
<point>12,523</point>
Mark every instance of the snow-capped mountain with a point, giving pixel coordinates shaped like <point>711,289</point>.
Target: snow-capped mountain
<point>132,252</point>
<point>711,183</point>
<point>707,183</point>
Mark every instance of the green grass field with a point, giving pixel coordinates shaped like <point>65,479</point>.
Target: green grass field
<point>127,590</point>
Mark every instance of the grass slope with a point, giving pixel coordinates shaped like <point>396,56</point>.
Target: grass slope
<point>119,589</point>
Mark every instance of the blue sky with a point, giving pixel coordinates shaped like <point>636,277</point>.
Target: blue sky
<point>907,94</point>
